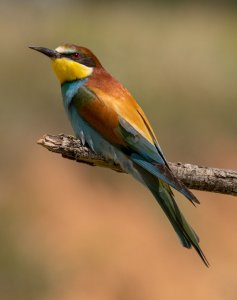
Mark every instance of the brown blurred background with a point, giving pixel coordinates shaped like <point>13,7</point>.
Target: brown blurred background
<point>69,231</point>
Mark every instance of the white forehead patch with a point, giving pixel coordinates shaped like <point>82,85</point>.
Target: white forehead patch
<point>65,49</point>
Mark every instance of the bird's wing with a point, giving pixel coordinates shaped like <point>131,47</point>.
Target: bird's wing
<point>144,156</point>
<point>122,122</point>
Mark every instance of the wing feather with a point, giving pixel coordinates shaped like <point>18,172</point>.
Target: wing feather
<point>126,126</point>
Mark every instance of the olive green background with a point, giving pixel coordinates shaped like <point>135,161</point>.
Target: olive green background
<point>69,231</point>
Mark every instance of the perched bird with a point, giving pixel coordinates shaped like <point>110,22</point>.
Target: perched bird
<point>106,117</point>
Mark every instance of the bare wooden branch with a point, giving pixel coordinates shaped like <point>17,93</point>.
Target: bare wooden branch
<point>194,177</point>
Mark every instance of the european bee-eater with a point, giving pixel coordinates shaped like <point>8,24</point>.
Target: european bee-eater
<point>106,117</point>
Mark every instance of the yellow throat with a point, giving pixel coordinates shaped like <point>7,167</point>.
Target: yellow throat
<point>69,70</point>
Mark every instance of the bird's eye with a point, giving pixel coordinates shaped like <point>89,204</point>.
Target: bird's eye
<point>75,55</point>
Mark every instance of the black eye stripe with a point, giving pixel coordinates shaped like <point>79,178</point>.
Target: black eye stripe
<point>87,61</point>
<point>68,55</point>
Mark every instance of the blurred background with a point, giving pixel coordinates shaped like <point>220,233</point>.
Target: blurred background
<point>69,231</point>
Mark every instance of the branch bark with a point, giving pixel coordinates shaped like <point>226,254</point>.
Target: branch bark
<point>193,176</point>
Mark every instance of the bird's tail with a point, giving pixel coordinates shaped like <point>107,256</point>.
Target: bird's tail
<point>165,198</point>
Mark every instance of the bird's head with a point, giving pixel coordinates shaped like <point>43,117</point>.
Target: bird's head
<point>70,62</point>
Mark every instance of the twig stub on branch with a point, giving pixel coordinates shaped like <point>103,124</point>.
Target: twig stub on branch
<point>194,177</point>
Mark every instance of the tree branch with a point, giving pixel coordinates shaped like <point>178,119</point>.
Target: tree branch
<point>194,177</point>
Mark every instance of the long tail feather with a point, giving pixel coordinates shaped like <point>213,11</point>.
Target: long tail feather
<point>164,197</point>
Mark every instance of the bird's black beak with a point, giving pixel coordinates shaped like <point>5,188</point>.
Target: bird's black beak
<point>48,52</point>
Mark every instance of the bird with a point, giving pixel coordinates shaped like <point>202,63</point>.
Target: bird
<point>105,116</point>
